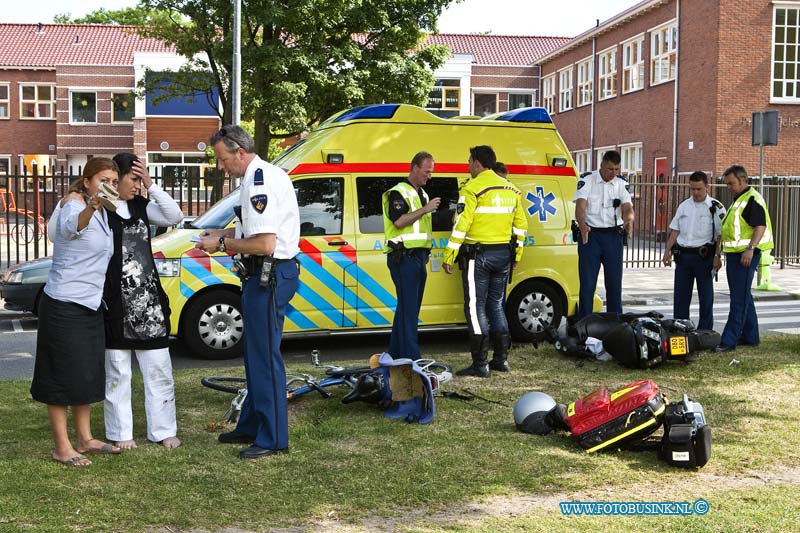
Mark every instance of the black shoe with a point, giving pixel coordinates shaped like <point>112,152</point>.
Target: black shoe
<point>254,452</point>
<point>724,349</point>
<point>234,437</point>
<point>479,371</point>
<point>501,365</point>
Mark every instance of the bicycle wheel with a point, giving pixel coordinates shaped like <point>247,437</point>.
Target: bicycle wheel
<point>224,383</point>
<point>320,386</point>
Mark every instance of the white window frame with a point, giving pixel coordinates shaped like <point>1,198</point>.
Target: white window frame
<point>565,89</point>
<point>113,118</point>
<point>631,164</point>
<point>72,120</point>
<point>633,64</point>
<point>663,53</point>
<point>549,93</point>
<point>585,70</point>
<point>37,101</point>
<point>7,159</point>
<point>787,62</point>
<point>599,152</point>
<point>607,74</point>
<point>532,94</point>
<point>6,101</point>
<point>583,159</point>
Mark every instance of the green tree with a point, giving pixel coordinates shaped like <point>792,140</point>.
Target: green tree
<point>129,16</point>
<point>302,60</point>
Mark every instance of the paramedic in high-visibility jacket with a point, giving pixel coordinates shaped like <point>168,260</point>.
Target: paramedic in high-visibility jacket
<point>604,213</point>
<point>746,232</point>
<point>407,227</point>
<point>489,232</point>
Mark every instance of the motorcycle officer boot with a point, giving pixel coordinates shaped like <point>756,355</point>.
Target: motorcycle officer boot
<point>499,360</point>
<point>479,346</point>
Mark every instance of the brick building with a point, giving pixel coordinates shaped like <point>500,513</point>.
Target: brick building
<point>67,94</point>
<point>673,84</point>
<point>488,73</point>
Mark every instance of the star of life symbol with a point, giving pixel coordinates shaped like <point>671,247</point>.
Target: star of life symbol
<point>541,203</point>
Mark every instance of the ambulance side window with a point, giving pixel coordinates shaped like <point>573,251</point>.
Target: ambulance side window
<point>320,201</point>
<point>370,201</point>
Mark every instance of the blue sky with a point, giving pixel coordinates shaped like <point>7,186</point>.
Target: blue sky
<point>563,18</point>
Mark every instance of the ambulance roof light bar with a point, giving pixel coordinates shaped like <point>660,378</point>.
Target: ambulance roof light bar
<point>383,111</point>
<point>537,115</point>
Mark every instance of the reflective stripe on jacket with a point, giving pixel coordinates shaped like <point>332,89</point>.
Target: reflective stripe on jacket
<point>416,235</point>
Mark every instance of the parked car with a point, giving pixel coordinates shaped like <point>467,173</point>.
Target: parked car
<point>22,285</point>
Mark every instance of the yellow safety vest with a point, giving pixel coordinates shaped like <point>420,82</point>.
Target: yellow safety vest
<point>489,212</point>
<point>736,232</point>
<point>416,235</point>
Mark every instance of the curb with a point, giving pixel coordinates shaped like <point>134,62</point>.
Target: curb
<point>663,298</point>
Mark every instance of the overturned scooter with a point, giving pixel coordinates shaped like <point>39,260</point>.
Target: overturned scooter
<point>636,340</point>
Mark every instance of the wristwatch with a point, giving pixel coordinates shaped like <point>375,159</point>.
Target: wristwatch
<point>751,247</point>
<point>221,247</point>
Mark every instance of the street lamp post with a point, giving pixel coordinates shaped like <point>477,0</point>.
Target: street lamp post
<point>236,77</point>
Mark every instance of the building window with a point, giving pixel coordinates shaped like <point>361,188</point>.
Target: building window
<point>444,100</point>
<point>83,107</point>
<point>549,93</point>
<point>607,73</point>
<point>4,100</point>
<point>5,164</point>
<point>565,89</point>
<point>631,164</point>
<point>485,104</point>
<point>663,53</point>
<point>632,65</point>
<point>122,107</point>
<point>37,101</point>
<point>786,55</point>
<point>585,81</point>
<point>583,160</point>
<point>516,100</point>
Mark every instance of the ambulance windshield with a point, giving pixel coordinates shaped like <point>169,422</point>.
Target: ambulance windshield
<point>220,215</point>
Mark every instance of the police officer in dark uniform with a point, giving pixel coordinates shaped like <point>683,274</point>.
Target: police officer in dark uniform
<point>266,241</point>
<point>604,213</point>
<point>407,225</point>
<point>694,242</point>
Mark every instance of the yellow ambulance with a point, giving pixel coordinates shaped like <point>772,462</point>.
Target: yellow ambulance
<point>340,171</point>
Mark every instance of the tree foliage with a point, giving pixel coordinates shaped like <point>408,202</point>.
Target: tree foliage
<point>302,60</point>
<point>129,16</point>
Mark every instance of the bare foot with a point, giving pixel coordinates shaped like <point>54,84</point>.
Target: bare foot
<point>70,458</point>
<point>126,444</point>
<point>97,446</point>
<point>170,442</point>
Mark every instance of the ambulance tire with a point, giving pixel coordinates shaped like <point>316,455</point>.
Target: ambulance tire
<point>528,303</point>
<point>212,325</point>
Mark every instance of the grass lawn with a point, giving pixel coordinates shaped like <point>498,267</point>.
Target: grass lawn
<point>351,469</point>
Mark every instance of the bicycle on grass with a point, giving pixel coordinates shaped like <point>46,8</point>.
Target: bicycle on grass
<point>301,384</point>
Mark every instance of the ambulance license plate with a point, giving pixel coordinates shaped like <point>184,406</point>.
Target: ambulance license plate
<point>677,345</point>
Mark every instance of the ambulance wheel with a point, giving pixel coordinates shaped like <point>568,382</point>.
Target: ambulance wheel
<point>213,326</point>
<point>533,307</point>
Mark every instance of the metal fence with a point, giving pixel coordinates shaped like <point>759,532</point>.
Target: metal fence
<point>28,199</point>
<point>656,200</point>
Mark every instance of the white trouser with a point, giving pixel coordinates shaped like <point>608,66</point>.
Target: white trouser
<point>159,394</point>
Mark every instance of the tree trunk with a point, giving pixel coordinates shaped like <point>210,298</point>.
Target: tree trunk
<point>262,134</point>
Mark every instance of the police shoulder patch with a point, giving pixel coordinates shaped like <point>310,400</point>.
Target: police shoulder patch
<point>581,183</point>
<point>259,202</point>
<point>460,208</point>
<point>716,203</point>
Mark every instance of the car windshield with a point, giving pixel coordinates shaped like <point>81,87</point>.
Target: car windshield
<point>220,214</point>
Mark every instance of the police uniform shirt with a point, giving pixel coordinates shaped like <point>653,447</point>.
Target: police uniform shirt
<point>753,213</point>
<point>600,196</point>
<point>269,205</point>
<point>693,220</point>
<point>398,205</point>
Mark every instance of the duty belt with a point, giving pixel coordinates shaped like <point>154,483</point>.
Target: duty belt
<point>606,230</point>
<point>255,262</point>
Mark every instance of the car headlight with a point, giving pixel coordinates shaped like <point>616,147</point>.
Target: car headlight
<point>14,276</point>
<point>168,268</point>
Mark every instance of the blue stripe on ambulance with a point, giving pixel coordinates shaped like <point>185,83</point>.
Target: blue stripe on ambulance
<point>299,319</point>
<point>200,272</point>
<point>365,280</point>
<point>348,295</point>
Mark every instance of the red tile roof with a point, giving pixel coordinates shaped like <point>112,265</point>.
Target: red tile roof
<point>506,50</point>
<point>22,45</point>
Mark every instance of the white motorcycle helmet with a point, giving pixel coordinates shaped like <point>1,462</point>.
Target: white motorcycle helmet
<point>531,413</point>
